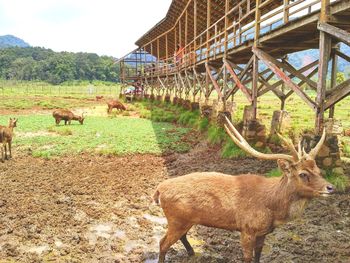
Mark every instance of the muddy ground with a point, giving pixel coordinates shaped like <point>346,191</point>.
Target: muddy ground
<point>98,209</point>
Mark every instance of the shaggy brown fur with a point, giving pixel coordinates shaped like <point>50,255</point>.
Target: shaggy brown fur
<point>251,204</point>
<point>67,116</point>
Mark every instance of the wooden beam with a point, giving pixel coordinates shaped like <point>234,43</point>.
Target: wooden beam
<point>334,73</point>
<point>237,81</point>
<point>297,74</point>
<point>271,63</point>
<point>336,32</point>
<point>339,93</point>
<point>342,55</point>
<point>325,50</point>
<point>257,22</point>
<point>325,10</point>
<point>213,80</point>
<point>161,83</point>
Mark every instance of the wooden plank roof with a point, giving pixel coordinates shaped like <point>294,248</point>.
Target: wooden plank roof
<point>177,9</point>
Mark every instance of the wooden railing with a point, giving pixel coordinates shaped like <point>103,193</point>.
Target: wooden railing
<point>227,35</point>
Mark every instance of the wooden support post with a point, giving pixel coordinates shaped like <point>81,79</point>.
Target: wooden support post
<point>255,84</point>
<point>207,75</point>
<point>257,23</point>
<point>325,49</point>
<point>227,9</point>
<point>334,76</point>
<point>325,43</point>
<point>158,57</point>
<point>285,11</point>
<point>195,29</point>
<point>166,54</point>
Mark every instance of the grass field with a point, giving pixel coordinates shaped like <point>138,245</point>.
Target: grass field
<point>39,135</point>
<point>73,88</point>
<point>17,96</point>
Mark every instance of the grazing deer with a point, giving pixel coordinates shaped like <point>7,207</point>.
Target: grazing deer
<point>251,204</point>
<point>115,104</point>
<point>67,116</point>
<point>6,134</point>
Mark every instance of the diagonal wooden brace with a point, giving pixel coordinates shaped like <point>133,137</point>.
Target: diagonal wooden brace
<point>213,80</point>
<point>238,82</point>
<point>337,94</point>
<point>271,63</point>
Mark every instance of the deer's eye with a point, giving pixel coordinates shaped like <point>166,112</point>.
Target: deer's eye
<point>304,176</point>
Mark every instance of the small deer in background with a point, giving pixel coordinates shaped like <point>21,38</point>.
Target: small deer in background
<point>6,135</point>
<point>115,104</point>
<point>252,204</point>
<point>67,116</point>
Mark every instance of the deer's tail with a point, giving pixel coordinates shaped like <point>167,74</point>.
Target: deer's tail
<point>155,198</point>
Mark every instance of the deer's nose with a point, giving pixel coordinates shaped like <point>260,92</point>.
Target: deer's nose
<point>330,188</point>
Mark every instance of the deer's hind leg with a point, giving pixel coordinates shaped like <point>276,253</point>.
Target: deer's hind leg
<point>2,153</point>
<point>187,245</point>
<point>5,151</point>
<point>176,230</point>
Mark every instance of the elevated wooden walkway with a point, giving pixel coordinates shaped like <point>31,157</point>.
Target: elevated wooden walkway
<point>208,46</point>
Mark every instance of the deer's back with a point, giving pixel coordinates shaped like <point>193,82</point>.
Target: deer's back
<point>215,199</point>
<point>63,114</point>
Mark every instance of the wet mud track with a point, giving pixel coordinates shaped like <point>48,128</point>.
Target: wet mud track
<point>98,209</point>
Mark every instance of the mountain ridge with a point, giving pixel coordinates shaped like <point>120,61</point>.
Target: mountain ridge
<point>7,41</point>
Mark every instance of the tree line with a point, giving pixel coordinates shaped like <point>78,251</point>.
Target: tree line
<point>35,63</point>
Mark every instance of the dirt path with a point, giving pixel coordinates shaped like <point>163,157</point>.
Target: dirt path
<point>97,209</point>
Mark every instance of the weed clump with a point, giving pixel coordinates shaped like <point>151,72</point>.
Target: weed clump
<point>231,150</point>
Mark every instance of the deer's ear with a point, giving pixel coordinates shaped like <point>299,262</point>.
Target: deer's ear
<point>285,166</point>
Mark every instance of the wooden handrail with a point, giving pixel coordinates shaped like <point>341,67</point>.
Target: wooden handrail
<point>225,34</point>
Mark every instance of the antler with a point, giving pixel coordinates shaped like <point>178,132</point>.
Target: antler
<point>313,153</point>
<point>288,142</point>
<point>243,144</point>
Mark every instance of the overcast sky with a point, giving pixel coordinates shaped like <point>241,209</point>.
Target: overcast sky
<point>105,27</point>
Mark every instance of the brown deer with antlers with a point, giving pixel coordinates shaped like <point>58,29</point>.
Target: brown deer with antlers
<point>251,204</point>
<point>6,134</point>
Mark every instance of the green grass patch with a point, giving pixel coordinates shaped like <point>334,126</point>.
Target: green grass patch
<point>216,135</point>
<point>39,135</point>
<point>231,150</point>
<point>276,172</point>
<point>346,149</point>
<point>203,124</point>
<point>341,182</point>
<point>189,118</point>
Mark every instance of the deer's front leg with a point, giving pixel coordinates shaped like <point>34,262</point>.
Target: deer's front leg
<point>10,149</point>
<point>248,244</point>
